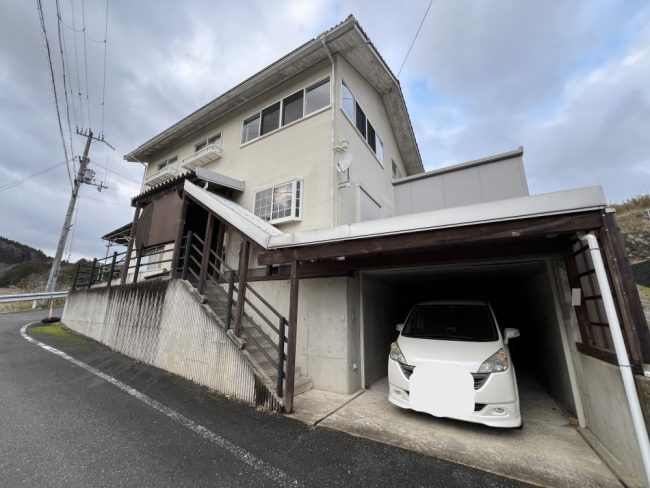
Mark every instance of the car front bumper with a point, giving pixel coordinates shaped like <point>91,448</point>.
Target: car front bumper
<point>496,402</point>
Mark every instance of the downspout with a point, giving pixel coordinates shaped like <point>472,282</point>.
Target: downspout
<point>621,352</point>
<point>335,134</point>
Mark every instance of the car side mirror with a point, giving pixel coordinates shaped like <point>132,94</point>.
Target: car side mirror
<point>399,327</point>
<point>510,333</point>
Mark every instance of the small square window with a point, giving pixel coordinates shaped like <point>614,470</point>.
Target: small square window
<point>280,203</point>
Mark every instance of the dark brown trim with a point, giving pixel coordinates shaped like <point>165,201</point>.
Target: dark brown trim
<point>129,248</point>
<point>205,257</point>
<point>532,227</point>
<point>244,252</point>
<point>633,322</point>
<point>179,237</point>
<point>580,310</point>
<point>292,336</point>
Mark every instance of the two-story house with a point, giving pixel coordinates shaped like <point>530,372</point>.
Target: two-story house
<point>285,228</point>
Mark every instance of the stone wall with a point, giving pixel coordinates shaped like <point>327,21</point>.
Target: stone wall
<point>162,324</point>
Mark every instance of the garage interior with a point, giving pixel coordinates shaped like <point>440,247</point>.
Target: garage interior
<point>522,296</point>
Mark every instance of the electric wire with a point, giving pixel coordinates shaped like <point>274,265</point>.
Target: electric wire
<point>415,38</point>
<point>104,71</point>
<point>56,98</point>
<point>76,61</point>
<point>27,178</point>
<point>83,24</point>
<point>63,72</point>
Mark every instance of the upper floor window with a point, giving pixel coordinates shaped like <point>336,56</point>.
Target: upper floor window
<point>357,116</point>
<point>168,162</point>
<point>294,107</point>
<point>280,203</point>
<point>210,141</point>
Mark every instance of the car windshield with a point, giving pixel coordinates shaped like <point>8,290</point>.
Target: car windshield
<point>452,322</point>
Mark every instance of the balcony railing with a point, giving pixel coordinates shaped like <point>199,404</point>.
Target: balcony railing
<point>202,156</point>
<point>161,175</point>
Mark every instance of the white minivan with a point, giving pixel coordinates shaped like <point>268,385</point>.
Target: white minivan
<point>451,360</point>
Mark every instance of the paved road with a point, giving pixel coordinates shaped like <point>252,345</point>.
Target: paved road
<point>62,426</point>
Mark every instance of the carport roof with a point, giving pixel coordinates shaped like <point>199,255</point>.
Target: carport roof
<point>559,212</point>
<point>561,202</point>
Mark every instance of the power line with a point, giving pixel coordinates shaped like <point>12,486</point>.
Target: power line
<point>56,98</point>
<point>25,179</point>
<point>415,38</point>
<point>76,63</point>
<point>104,82</point>
<point>118,174</point>
<point>83,24</point>
<point>63,71</point>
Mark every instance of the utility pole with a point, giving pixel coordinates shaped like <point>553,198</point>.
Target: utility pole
<point>81,178</point>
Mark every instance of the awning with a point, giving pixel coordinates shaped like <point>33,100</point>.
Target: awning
<point>120,235</point>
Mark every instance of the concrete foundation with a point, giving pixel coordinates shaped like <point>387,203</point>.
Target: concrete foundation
<point>163,324</point>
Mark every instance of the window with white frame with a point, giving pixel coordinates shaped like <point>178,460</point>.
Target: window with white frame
<point>290,109</point>
<point>214,140</point>
<point>280,203</point>
<point>167,162</point>
<point>357,116</point>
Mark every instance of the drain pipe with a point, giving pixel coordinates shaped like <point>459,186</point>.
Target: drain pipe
<point>621,352</point>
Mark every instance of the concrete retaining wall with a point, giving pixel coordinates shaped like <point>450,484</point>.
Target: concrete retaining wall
<point>162,324</point>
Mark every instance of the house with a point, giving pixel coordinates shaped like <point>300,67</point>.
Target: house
<point>294,212</point>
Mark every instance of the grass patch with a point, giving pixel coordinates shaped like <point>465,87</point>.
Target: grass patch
<point>58,332</point>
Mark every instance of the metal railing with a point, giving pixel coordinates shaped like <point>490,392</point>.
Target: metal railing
<point>202,156</point>
<point>214,278</point>
<point>106,270</point>
<point>30,297</point>
<point>162,174</point>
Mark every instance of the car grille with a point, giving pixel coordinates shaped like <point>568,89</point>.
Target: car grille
<point>479,378</point>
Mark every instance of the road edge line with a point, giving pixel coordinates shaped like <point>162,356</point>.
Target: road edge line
<point>271,472</point>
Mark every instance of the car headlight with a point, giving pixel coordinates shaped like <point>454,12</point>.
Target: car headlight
<point>496,363</point>
<point>396,353</point>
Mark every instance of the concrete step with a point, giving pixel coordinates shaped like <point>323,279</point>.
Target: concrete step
<point>301,385</point>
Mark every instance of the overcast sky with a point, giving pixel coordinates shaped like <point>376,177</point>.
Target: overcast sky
<point>569,81</point>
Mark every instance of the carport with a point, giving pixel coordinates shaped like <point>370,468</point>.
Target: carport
<point>523,294</point>
<point>525,256</point>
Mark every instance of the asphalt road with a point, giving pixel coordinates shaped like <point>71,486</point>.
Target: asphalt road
<point>63,426</point>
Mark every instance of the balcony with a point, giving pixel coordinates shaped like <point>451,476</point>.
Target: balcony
<point>161,175</point>
<point>203,156</point>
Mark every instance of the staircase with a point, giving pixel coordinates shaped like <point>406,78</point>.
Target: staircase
<point>261,335</point>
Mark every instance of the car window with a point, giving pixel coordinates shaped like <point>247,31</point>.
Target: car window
<point>453,322</point>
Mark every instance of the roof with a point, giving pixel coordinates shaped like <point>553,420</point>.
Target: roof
<point>556,203</point>
<point>212,179</point>
<point>350,41</point>
<point>466,165</point>
<point>120,235</point>
<point>249,224</point>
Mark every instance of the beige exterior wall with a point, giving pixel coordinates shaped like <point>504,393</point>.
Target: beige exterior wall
<point>301,150</point>
<point>365,170</point>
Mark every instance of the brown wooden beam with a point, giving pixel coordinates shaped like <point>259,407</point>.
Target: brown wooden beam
<point>291,338</point>
<point>205,257</point>
<point>179,237</point>
<point>244,252</point>
<point>580,310</point>
<point>129,247</point>
<point>532,227</point>
<point>626,295</point>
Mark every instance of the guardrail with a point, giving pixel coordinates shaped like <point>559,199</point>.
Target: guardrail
<point>29,297</point>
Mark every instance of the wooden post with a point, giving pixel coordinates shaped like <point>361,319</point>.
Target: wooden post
<point>186,257</point>
<point>137,263</point>
<point>626,295</point>
<point>76,276</point>
<point>220,235</point>
<point>291,339</point>
<point>279,387</point>
<point>129,247</point>
<point>179,237</point>
<point>205,257</point>
<point>231,289</point>
<point>241,286</point>
<point>112,270</point>
<point>92,274</point>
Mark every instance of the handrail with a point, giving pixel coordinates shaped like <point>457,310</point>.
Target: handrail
<point>28,297</point>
